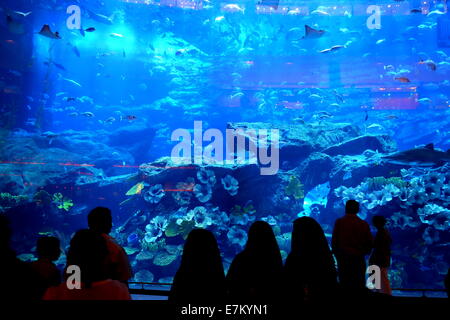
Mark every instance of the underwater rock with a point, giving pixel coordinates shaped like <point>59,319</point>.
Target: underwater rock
<point>358,145</point>
<point>435,215</point>
<point>316,169</point>
<point>136,139</point>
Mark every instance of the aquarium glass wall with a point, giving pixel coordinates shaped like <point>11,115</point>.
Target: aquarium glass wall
<point>179,114</point>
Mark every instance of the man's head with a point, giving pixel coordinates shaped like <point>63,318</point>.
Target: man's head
<point>100,220</point>
<point>379,221</point>
<point>352,207</point>
<point>48,248</point>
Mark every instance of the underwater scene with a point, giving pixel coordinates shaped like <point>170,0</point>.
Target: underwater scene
<point>182,114</point>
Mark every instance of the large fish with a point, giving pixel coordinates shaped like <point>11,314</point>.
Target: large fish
<point>423,156</point>
<point>47,32</point>
<point>311,33</point>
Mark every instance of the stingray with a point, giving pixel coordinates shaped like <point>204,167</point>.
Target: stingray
<point>47,32</point>
<point>311,33</point>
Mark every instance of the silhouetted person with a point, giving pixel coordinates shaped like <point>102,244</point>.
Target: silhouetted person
<point>89,251</point>
<point>100,220</point>
<point>351,242</point>
<point>15,275</point>
<point>200,277</point>
<point>256,272</point>
<point>447,283</point>
<point>310,272</point>
<point>381,254</point>
<point>44,270</point>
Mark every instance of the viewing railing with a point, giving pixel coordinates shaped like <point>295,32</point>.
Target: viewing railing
<point>162,289</point>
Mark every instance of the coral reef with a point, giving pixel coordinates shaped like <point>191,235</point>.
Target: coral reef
<point>230,184</point>
<point>154,194</point>
<point>295,188</point>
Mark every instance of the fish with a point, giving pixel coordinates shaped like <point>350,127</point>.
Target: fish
<point>76,51</point>
<point>232,7</point>
<point>90,29</point>
<point>136,189</point>
<point>311,33</point>
<point>22,14</point>
<point>422,156</point>
<point>333,48</point>
<point>58,65</point>
<point>14,26</point>
<point>100,18</point>
<point>367,116</point>
<point>403,79</point>
<point>73,114</point>
<point>319,11</point>
<point>117,35</point>
<point>69,80</point>
<point>415,10</point>
<point>47,32</point>
<point>435,12</point>
<point>87,114</point>
<point>375,126</point>
<point>110,120</point>
<point>269,3</point>
<point>430,64</point>
<point>391,117</point>
<point>339,97</point>
<point>130,118</point>
<point>380,41</point>
<point>50,135</point>
<point>68,99</point>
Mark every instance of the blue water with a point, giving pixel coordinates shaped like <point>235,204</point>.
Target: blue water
<point>81,113</point>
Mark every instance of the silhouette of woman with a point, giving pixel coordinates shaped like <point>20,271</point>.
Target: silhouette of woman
<point>310,272</point>
<point>200,277</point>
<point>256,272</point>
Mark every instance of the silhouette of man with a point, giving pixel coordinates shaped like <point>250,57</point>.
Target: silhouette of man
<point>100,220</point>
<point>351,242</point>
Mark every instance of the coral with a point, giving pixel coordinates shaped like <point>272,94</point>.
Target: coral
<point>144,255</point>
<point>377,183</point>
<point>62,202</point>
<point>154,246</point>
<point>435,215</point>
<point>154,194</point>
<point>143,276</point>
<point>230,184</point>
<point>203,192</point>
<point>237,236</point>
<point>206,176</point>
<point>200,217</point>
<point>130,251</point>
<point>242,215</point>
<point>8,201</point>
<point>184,192</point>
<point>179,227</point>
<point>152,233</point>
<point>295,188</point>
<point>163,259</point>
